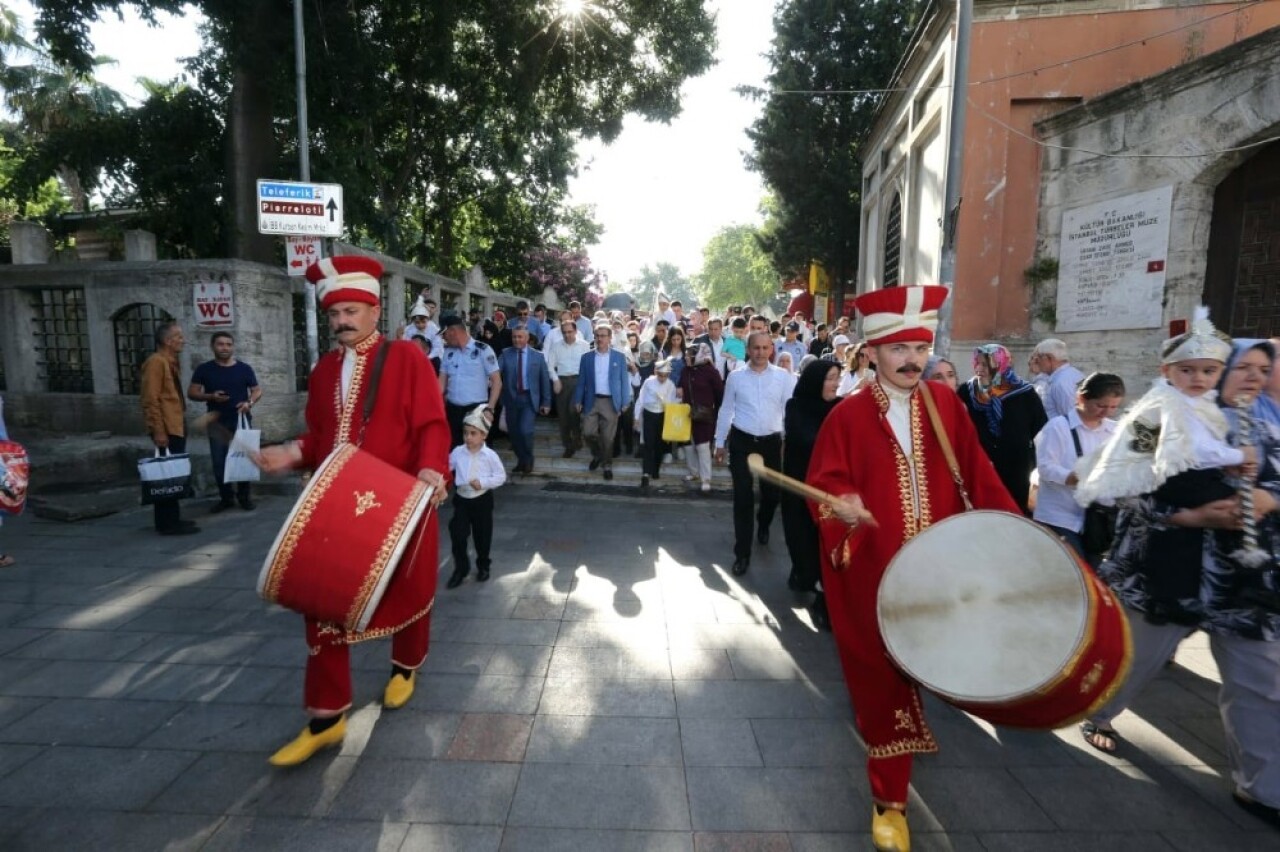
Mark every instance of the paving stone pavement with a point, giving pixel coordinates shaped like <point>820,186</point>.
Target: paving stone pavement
<point>612,687</point>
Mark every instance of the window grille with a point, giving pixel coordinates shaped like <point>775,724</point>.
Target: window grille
<point>60,326</point>
<point>135,332</point>
<point>893,242</point>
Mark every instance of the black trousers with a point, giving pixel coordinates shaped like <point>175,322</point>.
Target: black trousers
<point>471,516</point>
<point>168,513</point>
<point>741,445</point>
<point>802,542</point>
<point>653,448</point>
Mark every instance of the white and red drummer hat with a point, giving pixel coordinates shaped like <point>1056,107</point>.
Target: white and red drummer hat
<point>348,278</point>
<point>900,314</point>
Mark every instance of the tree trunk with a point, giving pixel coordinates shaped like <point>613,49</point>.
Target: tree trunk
<point>250,156</point>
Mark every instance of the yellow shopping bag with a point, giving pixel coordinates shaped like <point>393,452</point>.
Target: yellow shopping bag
<point>677,426</point>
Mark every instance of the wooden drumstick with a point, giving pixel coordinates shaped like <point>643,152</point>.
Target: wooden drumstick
<point>755,463</point>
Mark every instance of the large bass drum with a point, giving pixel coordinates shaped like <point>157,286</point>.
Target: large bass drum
<point>339,547</point>
<point>999,617</point>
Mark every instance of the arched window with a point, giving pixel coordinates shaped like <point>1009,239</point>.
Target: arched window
<point>135,329</point>
<point>892,254</point>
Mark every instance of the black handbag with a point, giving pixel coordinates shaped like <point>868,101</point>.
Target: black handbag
<point>703,413</point>
<point>1099,531</point>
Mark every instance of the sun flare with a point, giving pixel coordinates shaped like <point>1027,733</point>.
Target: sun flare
<point>572,8</point>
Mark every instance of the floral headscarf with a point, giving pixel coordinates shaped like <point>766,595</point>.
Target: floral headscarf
<point>1004,383</point>
<point>702,354</point>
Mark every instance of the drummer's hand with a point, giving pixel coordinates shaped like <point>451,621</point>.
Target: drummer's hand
<point>849,509</point>
<point>279,458</point>
<point>1217,515</point>
<point>435,479</point>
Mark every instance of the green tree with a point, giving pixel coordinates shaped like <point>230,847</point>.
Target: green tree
<point>451,125</point>
<point>665,278</point>
<point>817,110</point>
<point>42,201</point>
<point>736,270</point>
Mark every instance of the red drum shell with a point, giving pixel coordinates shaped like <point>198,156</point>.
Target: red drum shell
<point>341,544</point>
<point>999,617</point>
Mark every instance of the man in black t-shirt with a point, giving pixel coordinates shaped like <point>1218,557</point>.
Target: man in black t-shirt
<point>229,388</point>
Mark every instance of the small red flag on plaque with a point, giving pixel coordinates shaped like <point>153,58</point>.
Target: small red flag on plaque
<point>1155,266</point>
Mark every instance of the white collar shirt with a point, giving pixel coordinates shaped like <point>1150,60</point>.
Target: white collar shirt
<point>602,372</point>
<point>754,402</point>
<point>483,466</point>
<point>564,358</point>
<point>1056,459</point>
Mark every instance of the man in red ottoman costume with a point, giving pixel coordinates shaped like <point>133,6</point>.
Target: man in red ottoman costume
<point>879,454</point>
<point>406,429</point>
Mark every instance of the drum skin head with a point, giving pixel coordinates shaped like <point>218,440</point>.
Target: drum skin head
<point>984,607</point>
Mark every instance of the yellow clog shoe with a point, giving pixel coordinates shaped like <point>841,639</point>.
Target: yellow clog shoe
<point>889,831</point>
<point>399,690</point>
<point>307,744</point>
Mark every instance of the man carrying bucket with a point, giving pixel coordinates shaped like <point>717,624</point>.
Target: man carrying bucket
<point>406,428</point>
<point>879,452</point>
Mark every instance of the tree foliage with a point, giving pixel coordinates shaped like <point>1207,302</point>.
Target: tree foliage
<point>451,125</point>
<point>736,270</point>
<point>826,55</point>
<point>665,278</point>
<point>566,271</point>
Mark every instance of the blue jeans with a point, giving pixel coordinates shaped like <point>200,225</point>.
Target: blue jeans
<point>1071,538</point>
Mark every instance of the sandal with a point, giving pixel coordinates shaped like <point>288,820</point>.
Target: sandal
<point>1099,738</point>
<point>6,560</point>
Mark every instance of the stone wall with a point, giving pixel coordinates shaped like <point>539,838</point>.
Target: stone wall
<point>263,330</point>
<point>1093,152</point>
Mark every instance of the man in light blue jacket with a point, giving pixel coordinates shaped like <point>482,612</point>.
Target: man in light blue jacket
<point>603,392</point>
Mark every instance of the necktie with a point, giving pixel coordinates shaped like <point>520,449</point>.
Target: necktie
<point>520,370</point>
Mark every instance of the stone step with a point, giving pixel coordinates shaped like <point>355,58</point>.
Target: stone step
<point>626,471</point>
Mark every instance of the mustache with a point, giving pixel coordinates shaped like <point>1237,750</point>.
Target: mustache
<point>910,368</point>
<point>343,328</point>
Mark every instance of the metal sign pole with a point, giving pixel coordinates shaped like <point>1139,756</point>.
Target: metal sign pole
<point>304,166</point>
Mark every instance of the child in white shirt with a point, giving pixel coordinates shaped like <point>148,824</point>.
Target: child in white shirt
<point>476,470</point>
<point>655,394</point>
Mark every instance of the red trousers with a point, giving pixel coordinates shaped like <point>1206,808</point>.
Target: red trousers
<point>890,777</point>
<point>327,691</point>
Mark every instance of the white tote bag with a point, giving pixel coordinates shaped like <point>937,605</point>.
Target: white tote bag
<point>245,444</point>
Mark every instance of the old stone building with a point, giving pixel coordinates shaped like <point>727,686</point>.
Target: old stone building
<point>76,331</point>
<point>1070,104</point>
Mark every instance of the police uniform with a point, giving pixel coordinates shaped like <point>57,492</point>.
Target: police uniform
<point>468,370</point>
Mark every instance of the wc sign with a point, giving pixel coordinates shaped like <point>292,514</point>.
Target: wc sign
<point>214,304</point>
<point>300,252</point>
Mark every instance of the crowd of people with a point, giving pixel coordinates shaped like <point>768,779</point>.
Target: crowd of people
<point>1175,505</point>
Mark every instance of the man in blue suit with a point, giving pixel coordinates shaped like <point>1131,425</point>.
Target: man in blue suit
<point>526,389</point>
<point>603,392</point>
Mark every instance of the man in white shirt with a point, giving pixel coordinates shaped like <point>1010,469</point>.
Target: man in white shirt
<point>1059,396</point>
<point>750,421</point>
<point>564,355</point>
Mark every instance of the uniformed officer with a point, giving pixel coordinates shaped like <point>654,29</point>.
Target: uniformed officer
<point>468,375</point>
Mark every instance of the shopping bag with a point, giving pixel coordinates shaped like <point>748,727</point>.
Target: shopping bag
<point>165,477</point>
<point>15,469</point>
<point>245,445</point>
<point>676,425</point>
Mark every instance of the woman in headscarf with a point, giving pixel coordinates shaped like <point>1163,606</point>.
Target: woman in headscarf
<point>703,390</point>
<point>939,369</point>
<point>1008,415</point>
<point>1238,603</point>
<point>810,403</point>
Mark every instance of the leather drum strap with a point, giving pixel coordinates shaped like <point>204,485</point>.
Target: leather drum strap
<point>945,442</point>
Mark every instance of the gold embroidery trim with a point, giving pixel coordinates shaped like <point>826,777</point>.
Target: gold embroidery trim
<point>922,744</point>
<point>301,519</point>
<point>366,501</point>
<point>381,558</point>
<point>922,484</point>
<point>346,413</point>
<point>345,637</point>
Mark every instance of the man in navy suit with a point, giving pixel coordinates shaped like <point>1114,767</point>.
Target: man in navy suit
<point>603,392</point>
<point>526,389</point>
